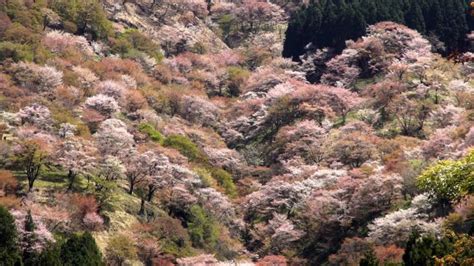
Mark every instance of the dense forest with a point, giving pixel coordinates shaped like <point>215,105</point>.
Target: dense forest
<point>174,132</point>
<point>329,23</point>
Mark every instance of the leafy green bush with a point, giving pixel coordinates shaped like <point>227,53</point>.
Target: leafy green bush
<point>9,253</point>
<point>88,17</point>
<point>154,134</point>
<point>448,180</point>
<point>225,180</point>
<point>131,42</point>
<point>15,52</point>
<point>81,250</point>
<point>202,228</point>
<point>227,26</point>
<point>121,248</point>
<point>421,250</point>
<point>206,177</point>
<point>237,77</point>
<point>173,237</point>
<point>30,17</point>
<point>186,147</point>
<point>18,33</point>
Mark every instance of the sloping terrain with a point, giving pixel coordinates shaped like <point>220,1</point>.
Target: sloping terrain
<point>174,132</point>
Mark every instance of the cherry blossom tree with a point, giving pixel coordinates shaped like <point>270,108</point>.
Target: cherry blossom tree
<point>111,88</point>
<point>410,114</point>
<point>37,78</point>
<point>37,115</point>
<point>352,149</point>
<point>76,156</point>
<point>103,104</point>
<point>34,237</point>
<point>112,168</point>
<point>113,138</point>
<point>86,79</point>
<point>142,166</point>
<point>67,130</point>
<point>304,139</point>
<point>396,227</point>
<point>59,42</point>
<point>199,110</point>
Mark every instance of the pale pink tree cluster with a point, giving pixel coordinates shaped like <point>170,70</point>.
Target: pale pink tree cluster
<point>328,213</point>
<point>352,148</point>
<point>113,137</point>
<point>439,145</point>
<point>264,79</point>
<point>60,42</point>
<point>226,158</point>
<point>146,167</point>
<point>396,227</point>
<point>36,115</point>
<point>203,259</point>
<point>282,232</point>
<point>199,111</point>
<point>221,208</point>
<point>67,130</point>
<point>112,168</point>
<point>37,78</point>
<point>386,43</point>
<point>111,88</point>
<point>158,177</point>
<point>93,221</point>
<point>86,78</point>
<point>304,139</point>
<point>77,157</point>
<point>227,58</point>
<point>277,195</point>
<point>56,217</point>
<point>342,70</point>
<point>328,100</point>
<point>40,236</point>
<point>446,116</point>
<point>469,139</point>
<point>103,104</point>
<point>255,13</point>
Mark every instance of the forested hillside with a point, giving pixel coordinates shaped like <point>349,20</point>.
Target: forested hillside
<point>329,23</point>
<point>180,132</point>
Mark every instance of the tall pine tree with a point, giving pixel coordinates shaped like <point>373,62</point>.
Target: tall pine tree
<point>9,251</point>
<point>329,23</point>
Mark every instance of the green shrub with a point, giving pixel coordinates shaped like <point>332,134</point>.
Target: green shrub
<point>421,250</point>
<point>18,33</point>
<point>154,134</point>
<point>88,17</point>
<point>206,177</point>
<point>81,250</point>
<point>173,237</point>
<point>28,17</point>
<point>237,77</point>
<point>9,252</point>
<point>227,25</point>
<point>15,52</point>
<point>225,180</point>
<point>202,228</point>
<point>186,147</point>
<point>448,181</point>
<point>120,249</point>
<point>132,42</point>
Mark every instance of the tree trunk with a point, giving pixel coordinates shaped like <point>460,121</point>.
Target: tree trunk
<point>130,189</point>
<point>142,206</point>
<point>31,181</point>
<point>71,177</point>
<point>151,193</point>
